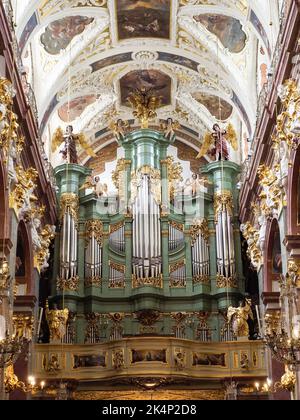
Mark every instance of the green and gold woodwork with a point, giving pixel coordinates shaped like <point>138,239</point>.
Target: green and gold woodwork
<point>178,290</point>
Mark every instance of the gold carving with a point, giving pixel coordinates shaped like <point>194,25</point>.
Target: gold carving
<point>46,237</point>
<point>94,228</point>
<point>238,318</point>
<point>94,281</point>
<point>226,282</point>
<point>21,196</point>
<point>223,201</point>
<point>252,237</point>
<point>199,227</point>
<point>156,282</point>
<point>118,359</point>
<point>176,225</point>
<point>57,321</point>
<point>23,325</point>
<point>144,104</point>
<point>116,227</point>
<point>201,279</point>
<point>69,203</point>
<point>71,284</point>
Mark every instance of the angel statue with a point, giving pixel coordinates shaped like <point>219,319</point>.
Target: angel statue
<point>119,128</point>
<point>71,142</point>
<point>216,143</point>
<point>169,128</point>
<point>238,318</point>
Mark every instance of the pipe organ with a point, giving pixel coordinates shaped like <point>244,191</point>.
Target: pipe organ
<point>223,209</point>
<point>176,236</point>
<point>93,252</point>
<point>116,276</point>
<point>147,256</point>
<point>146,227</point>
<point>117,237</point>
<point>200,251</point>
<point>69,206</point>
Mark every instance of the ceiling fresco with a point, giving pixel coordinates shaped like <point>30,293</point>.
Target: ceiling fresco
<point>96,52</point>
<point>155,80</point>
<point>59,34</point>
<point>219,108</point>
<point>227,29</point>
<point>143,19</point>
<point>70,111</point>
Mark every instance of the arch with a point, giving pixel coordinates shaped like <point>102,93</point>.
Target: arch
<point>272,257</point>
<point>293,199</point>
<point>24,261</point>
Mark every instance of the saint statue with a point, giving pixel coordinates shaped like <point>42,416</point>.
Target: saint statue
<point>57,322</point>
<point>71,142</point>
<point>216,143</point>
<point>238,318</point>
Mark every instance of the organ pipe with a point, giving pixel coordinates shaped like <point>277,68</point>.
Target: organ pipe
<point>224,234</point>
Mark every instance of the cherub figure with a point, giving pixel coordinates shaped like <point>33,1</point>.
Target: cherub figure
<point>71,142</point>
<point>119,128</point>
<point>169,128</point>
<point>216,143</point>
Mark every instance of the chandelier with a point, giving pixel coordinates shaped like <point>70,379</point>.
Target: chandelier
<point>281,329</point>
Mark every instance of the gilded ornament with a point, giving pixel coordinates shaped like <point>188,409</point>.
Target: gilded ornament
<point>199,227</point>
<point>226,282</point>
<point>70,285</point>
<point>23,325</point>
<point>238,318</point>
<point>57,321</point>
<point>223,202</point>
<point>69,203</point>
<point>252,237</point>
<point>156,282</point>
<point>94,228</point>
<point>145,105</point>
<point>201,279</point>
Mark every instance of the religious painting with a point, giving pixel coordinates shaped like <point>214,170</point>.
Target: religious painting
<point>178,59</point>
<point>159,82</point>
<point>149,356</point>
<point>143,19</point>
<point>209,359</point>
<point>218,108</point>
<point>276,253</point>
<point>112,60</point>
<point>261,30</point>
<point>94,360</point>
<point>59,34</point>
<point>228,29</point>
<point>69,112</point>
<point>29,28</point>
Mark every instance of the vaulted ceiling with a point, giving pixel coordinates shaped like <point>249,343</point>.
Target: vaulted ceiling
<point>206,58</point>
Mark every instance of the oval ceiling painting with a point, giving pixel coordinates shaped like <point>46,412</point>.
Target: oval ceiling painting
<point>59,34</point>
<point>76,107</point>
<point>228,29</point>
<point>159,82</point>
<point>219,108</point>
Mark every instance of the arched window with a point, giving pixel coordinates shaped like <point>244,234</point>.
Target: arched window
<point>273,266</point>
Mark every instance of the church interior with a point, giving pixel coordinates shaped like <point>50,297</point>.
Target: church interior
<point>149,200</point>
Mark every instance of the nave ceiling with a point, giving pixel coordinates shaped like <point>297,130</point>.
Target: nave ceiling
<point>83,57</point>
